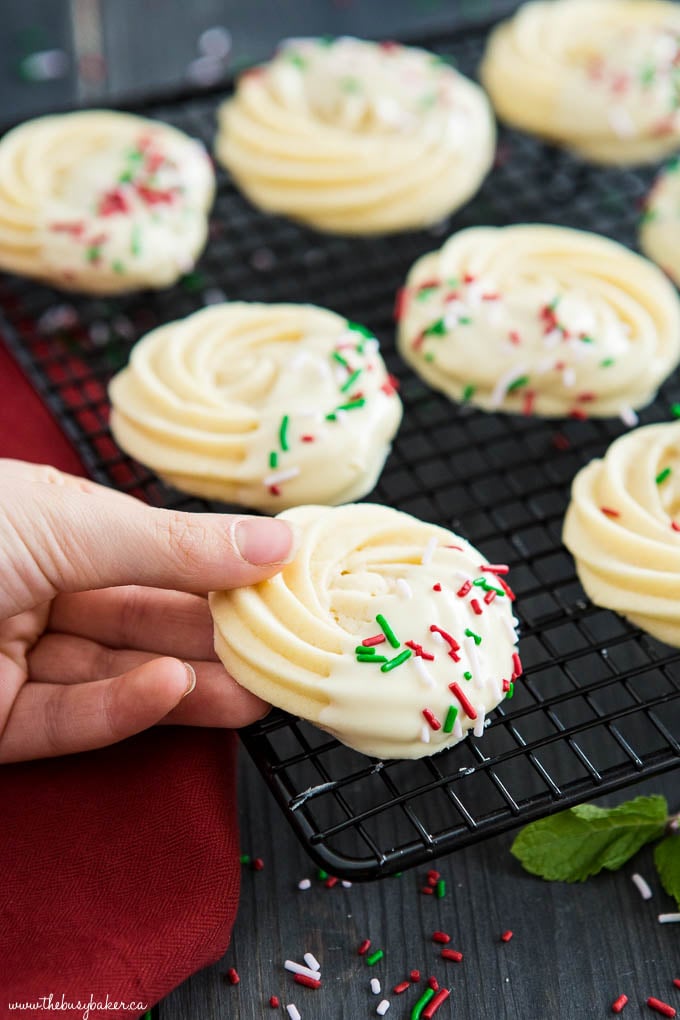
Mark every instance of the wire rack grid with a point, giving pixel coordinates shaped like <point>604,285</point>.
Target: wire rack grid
<point>599,707</point>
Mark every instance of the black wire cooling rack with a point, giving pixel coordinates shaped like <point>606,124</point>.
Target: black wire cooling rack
<point>599,706</point>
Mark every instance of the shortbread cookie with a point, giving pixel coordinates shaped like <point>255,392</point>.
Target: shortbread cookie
<point>102,202</point>
<point>394,635</point>
<point>597,76</point>
<point>660,227</point>
<point>540,320</point>
<point>262,405</point>
<point>355,137</point>
<point>623,529</point>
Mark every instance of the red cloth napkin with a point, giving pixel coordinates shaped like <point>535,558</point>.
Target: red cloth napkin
<point>120,870</point>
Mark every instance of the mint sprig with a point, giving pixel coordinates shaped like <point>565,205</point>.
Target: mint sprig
<point>575,844</point>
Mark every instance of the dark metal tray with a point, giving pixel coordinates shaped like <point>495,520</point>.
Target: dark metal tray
<point>599,707</point>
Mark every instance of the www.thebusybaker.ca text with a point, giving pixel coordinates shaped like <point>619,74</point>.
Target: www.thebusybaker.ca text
<point>84,1007</point>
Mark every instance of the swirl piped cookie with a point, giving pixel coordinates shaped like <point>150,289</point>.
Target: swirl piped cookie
<point>356,137</point>
<point>623,529</point>
<point>266,406</point>
<point>660,226</point>
<point>540,320</point>
<point>597,76</point>
<point>394,635</point>
<point>102,202</point>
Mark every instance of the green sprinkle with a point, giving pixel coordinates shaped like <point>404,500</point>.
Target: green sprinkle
<point>337,356</point>
<point>297,61</point>
<point>147,1015</point>
<point>273,459</point>
<point>673,164</point>
<point>358,328</point>
<point>93,253</point>
<point>648,74</point>
<point>427,101</point>
<point>387,630</point>
<point>464,320</point>
<point>450,719</point>
<point>365,650</point>
<point>675,410</point>
<point>467,675</point>
<point>662,476</point>
<point>440,889</point>
<point>374,957</point>
<point>422,1002</point>
<point>371,658</point>
<point>585,339</point>
<point>518,383</point>
<point>555,302</point>
<point>429,356</point>
<point>322,875</point>
<point>606,362</point>
<point>511,690</point>
<point>244,858</point>
<point>331,417</point>
<point>481,582</point>
<point>437,328</point>
<point>125,177</point>
<point>352,404</point>
<point>326,40</point>
<point>136,241</point>
<point>397,661</point>
<point>118,267</point>
<point>350,382</point>
<point>468,392</point>
<point>647,215</point>
<point>350,84</point>
<point>424,293</point>
<point>475,637</point>
<point>283,433</point>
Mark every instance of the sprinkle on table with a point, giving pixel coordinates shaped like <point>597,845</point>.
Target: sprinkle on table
<point>297,968</point>
<point>441,997</point>
<point>669,918</point>
<point>274,1001</point>
<point>258,864</point>
<point>232,976</point>
<point>661,1007</point>
<point>415,976</point>
<point>440,889</point>
<point>401,987</point>
<point>244,858</point>
<point>676,982</point>
<point>451,954</point>
<point>312,961</point>
<point>382,1007</point>
<point>618,1004</point>
<point>642,886</point>
<point>422,1002</point>
<point>374,957</point>
<point>375,986</point>
<point>441,937</point>
<point>304,883</point>
<point>364,947</point>
<point>506,936</point>
<point>306,982</point>
<point>293,1012</point>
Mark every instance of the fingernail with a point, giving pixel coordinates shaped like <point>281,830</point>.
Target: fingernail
<point>263,540</point>
<point>191,679</point>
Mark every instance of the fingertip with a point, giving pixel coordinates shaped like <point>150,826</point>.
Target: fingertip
<point>265,541</point>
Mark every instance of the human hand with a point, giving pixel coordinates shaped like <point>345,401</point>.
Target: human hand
<point>98,636</point>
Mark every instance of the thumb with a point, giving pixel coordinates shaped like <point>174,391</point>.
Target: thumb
<point>98,539</point>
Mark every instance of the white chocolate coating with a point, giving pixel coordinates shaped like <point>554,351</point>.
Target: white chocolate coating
<point>102,202</point>
<point>292,639</point>
<point>597,76</point>
<point>355,137</point>
<point>660,227</point>
<point>262,405</point>
<point>620,529</point>
<point>540,320</point>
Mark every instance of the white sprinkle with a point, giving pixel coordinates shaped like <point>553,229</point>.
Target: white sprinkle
<point>341,417</point>
<point>46,65</point>
<point>474,657</point>
<point>382,1007</point>
<point>262,259</point>
<point>99,333</point>
<point>123,327</point>
<point>312,961</point>
<point>428,551</point>
<point>568,378</point>
<point>375,986</point>
<point>277,477</point>
<point>423,672</point>
<point>474,292</point>
<point>621,122</point>
<point>553,338</point>
<point>346,885</point>
<point>205,70</point>
<point>509,627</point>
<point>458,728</point>
<point>669,918</point>
<point>454,311</point>
<point>642,886</point>
<point>425,733</point>
<point>501,388</point>
<point>304,883</point>
<point>56,318</point>
<point>297,968</point>
<point>293,1012</point>
<point>215,42</point>
<point>214,296</point>
<point>628,416</point>
<point>479,725</point>
<point>404,588</point>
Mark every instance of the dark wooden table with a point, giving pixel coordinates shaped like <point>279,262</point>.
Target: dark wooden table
<point>574,949</point>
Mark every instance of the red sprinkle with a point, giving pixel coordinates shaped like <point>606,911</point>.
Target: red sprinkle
<point>516,666</point>
<point>578,415</point>
<point>76,228</point>
<point>619,1003</point>
<point>418,342</point>
<point>514,337</point>
<point>674,526</point>
<point>415,976</point>
<point>401,987</point>
<point>506,685</point>
<point>586,398</point>
<point>495,568</point>
<point>464,589</point>
<point>331,881</point>
<point>427,889</point>
<point>451,642</point>
<point>400,304</point>
<point>507,589</point>
<point>274,1001</point>
<point>364,947</point>
<point>112,202</point>
<point>258,864</point>
<point>451,954</point>
<point>433,876</point>
<point>232,976</point>
<point>433,983</point>
<point>560,442</point>
<point>418,649</point>
<point>528,403</point>
<point>608,512</point>
<point>661,1007</point>
<point>506,936</point>
<point>434,1004</point>
<point>491,297</point>
<point>489,597</point>
<point>275,490</point>
<point>469,709</point>
<point>302,979</point>
<point>476,607</point>
<point>393,381</point>
<point>432,719</point>
<point>307,439</point>
<point>377,639</point>
<point>469,278</point>
<point>441,936</point>
<point>676,982</point>
<point>436,587</point>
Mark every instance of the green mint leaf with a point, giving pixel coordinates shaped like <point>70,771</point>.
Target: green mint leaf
<point>574,844</point>
<point>667,860</point>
